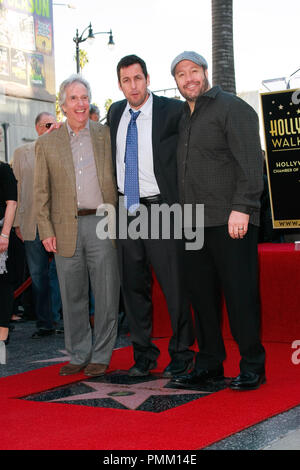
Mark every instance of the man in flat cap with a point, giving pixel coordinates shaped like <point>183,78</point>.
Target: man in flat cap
<point>220,166</point>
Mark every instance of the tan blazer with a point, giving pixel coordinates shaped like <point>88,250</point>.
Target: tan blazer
<point>55,184</point>
<point>23,168</point>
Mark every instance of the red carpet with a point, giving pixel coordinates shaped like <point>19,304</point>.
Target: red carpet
<point>279,280</point>
<point>54,426</point>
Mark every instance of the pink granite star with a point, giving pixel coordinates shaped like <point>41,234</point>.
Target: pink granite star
<point>137,393</point>
<point>64,358</point>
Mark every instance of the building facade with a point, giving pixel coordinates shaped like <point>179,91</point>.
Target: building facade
<point>27,72</point>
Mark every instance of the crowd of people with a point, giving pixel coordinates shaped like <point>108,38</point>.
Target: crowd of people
<point>152,152</point>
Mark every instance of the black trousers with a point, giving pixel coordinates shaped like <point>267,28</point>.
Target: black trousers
<point>230,267</point>
<point>8,281</point>
<point>7,301</point>
<point>137,258</point>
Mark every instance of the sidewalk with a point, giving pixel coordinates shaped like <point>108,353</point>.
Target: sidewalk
<point>291,441</point>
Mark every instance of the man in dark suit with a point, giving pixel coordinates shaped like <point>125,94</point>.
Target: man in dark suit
<point>220,166</point>
<point>156,127</point>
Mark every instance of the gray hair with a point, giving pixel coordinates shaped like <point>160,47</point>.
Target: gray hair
<point>69,81</point>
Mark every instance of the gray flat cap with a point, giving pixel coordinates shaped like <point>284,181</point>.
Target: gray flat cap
<point>188,55</point>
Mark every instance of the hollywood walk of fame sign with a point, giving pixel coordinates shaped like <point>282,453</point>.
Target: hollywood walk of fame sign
<point>281,116</point>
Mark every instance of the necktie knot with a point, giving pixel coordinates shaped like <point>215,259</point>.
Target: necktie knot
<point>134,115</point>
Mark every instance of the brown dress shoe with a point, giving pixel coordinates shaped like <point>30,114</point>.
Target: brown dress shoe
<point>94,370</point>
<point>70,369</point>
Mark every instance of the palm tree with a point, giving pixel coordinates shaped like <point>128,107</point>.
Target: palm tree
<point>222,45</point>
<point>83,58</point>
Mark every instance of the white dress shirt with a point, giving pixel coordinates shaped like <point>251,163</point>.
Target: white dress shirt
<point>147,181</point>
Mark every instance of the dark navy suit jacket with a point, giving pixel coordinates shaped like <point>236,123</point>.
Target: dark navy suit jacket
<point>165,119</point>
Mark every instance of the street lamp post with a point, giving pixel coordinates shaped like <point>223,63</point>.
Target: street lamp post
<point>90,36</point>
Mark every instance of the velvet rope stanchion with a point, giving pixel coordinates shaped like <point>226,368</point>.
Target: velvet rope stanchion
<point>22,288</point>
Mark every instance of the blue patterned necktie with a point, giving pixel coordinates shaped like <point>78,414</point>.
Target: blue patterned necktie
<point>131,187</point>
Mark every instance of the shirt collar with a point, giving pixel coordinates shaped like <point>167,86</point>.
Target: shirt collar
<point>72,133</point>
<point>211,93</point>
<point>146,109</point>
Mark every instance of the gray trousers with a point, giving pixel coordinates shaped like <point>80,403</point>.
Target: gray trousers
<point>96,260</point>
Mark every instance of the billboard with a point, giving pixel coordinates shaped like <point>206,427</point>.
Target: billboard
<point>27,49</point>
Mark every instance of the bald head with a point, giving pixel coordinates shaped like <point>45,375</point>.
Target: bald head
<point>43,122</point>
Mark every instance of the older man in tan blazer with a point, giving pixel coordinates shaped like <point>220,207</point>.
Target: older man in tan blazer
<point>73,178</point>
<point>45,287</point>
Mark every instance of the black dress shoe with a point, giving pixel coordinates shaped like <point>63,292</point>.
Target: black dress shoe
<point>248,381</point>
<point>142,367</point>
<point>178,367</point>
<point>198,377</point>
<point>42,332</point>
